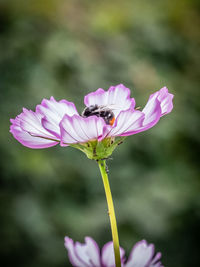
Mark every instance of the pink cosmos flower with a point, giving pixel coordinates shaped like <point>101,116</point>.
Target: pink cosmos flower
<point>109,113</point>
<point>89,255</point>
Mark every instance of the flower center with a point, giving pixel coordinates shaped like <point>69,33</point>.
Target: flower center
<point>100,111</point>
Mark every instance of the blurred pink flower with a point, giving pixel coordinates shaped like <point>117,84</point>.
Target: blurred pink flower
<point>110,113</point>
<point>89,255</point>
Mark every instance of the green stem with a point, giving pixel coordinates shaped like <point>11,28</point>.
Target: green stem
<point>111,212</point>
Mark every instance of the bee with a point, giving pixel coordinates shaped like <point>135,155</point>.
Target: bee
<point>100,111</point>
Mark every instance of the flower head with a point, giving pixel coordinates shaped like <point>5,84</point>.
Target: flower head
<point>108,114</point>
<point>89,255</point>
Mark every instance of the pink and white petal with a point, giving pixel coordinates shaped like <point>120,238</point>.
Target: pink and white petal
<point>93,252</point>
<point>117,97</point>
<point>155,262</point>
<point>152,112</point>
<point>51,127</point>
<point>54,111</point>
<point>30,122</point>
<point>127,123</point>
<point>27,139</point>
<point>99,97</point>
<point>140,255</point>
<point>165,99</point>
<point>81,253</point>
<point>77,129</point>
<point>108,256</point>
<point>73,257</point>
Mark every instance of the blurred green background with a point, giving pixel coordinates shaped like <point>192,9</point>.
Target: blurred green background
<point>66,49</point>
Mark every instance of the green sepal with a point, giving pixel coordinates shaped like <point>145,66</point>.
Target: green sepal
<point>99,150</point>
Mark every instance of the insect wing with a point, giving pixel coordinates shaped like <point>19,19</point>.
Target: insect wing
<point>110,106</point>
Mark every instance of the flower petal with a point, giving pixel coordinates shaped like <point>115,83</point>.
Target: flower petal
<point>86,255</point>
<point>159,104</point>
<point>117,97</point>
<point>152,112</point>
<point>28,130</point>
<point>108,256</point>
<point>131,121</point>
<point>73,257</point>
<point>81,252</point>
<point>165,99</point>
<point>53,112</point>
<point>31,122</point>
<point>127,123</point>
<point>77,129</point>
<point>155,262</point>
<point>140,255</point>
<point>93,252</point>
